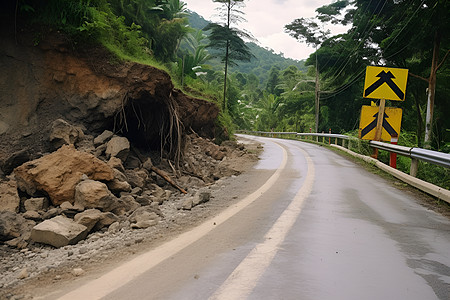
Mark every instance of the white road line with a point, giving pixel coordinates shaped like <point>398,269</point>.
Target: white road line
<point>244,278</point>
<point>125,273</point>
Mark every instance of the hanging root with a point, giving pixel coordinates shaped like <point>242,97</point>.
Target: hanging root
<point>175,128</point>
<point>120,118</point>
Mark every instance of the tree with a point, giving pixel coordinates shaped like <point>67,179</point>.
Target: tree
<point>309,31</point>
<point>228,40</point>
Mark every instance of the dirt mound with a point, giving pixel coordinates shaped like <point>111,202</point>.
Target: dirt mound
<point>90,89</point>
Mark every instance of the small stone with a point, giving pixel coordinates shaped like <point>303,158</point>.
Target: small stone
<point>23,274</point>
<point>77,272</point>
<point>114,227</point>
<point>188,203</point>
<point>83,250</point>
<point>103,138</point>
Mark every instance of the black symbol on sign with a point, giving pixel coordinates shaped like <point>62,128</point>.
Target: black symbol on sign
<point>385,78</point>
<point>373,124</point>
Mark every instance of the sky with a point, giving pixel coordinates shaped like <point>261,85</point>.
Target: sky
<point>266,20</point>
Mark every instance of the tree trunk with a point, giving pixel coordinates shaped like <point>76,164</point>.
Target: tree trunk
<point>224,104</point>
<point>317,103</point>
<point>419,119</point>
<point>431,91</point>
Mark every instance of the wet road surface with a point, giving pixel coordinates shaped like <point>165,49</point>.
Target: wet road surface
<point>321,228</point>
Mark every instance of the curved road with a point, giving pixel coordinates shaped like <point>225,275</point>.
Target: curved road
<point>317,226</point>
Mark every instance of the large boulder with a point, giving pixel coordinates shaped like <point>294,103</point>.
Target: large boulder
<point>58,232</point>
<point>94,194</point>
<point>118,147</point>
<point>9,197</point>
<point>59,172</point>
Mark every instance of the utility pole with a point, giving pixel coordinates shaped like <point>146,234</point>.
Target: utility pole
<point>317,93</point>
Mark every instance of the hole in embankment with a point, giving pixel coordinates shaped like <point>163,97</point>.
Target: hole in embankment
<point>150,124</point>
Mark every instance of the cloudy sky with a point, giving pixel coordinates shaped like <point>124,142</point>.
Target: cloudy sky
<point>266,20</point>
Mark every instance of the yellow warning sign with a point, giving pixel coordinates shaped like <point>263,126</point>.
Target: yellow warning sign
<point>385,83</point>
<point>392,121</point>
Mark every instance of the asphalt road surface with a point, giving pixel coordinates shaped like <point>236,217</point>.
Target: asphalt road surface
<point>320,227</point>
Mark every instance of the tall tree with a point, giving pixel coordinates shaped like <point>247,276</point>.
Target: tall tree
<point>228,39</point>
<point>310,32</point>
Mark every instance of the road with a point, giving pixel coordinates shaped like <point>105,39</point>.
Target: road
<point>318,226</point>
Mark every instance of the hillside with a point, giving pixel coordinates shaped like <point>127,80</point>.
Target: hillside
<point>264,60</point>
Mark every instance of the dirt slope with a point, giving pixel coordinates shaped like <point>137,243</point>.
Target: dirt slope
<point>48,79</point>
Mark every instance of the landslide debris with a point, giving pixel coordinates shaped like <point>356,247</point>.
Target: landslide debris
<point>107,201</point>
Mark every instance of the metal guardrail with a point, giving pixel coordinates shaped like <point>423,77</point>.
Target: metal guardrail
<point>434,157</point>
<point>416,154</point>
<point>402,150</point>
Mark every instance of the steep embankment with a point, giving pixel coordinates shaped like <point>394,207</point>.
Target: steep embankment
<point>43,79</point>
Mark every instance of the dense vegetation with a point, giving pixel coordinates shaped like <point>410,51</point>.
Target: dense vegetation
<point>406,34</point>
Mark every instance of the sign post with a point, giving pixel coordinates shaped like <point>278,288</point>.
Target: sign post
<point>379,128</point>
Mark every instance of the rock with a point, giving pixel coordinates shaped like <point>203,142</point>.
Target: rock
<point>114,227</point>
<point>77,272</point>
<point>201,197</point>
<point>144,217</point>
<point>136,177</point>
<point>160,195</point>
<point>13,225</point>
<point>88,218</point>
<point>52,212</point>
<point>63,133</point>
<point>116,186</point>
<point>145,200</point>
<point>19,243</point>
<point>66,205</point>
<point>59,172</point>
<point>118,147</point>
<point>36,204</point>
<point>58,232</point>
<point>15,160</point>
<point>148,164</point>
<point>23,274</point>
<point>106,219</point>
<point>116,163</point>
<point>119,175</point>
<point>100,150</point>
<point>214,151</point>
<point>9,197</point>
<point>32,215</point>
<point>188,203</point>
<point>126,204</point>
<point>85,144</point>
<point>132,162</point>
<point>94,194</point>
<point>157,191</point>
<point>136,191</point>
<point>103,138</point>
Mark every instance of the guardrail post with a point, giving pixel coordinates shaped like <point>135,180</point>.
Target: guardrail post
<point>414,167</point>
<point>393,156</point>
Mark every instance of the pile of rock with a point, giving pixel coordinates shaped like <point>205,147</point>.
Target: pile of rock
<point>88,184</point>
